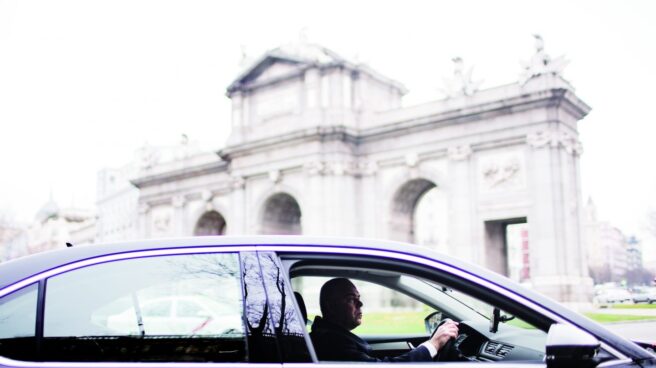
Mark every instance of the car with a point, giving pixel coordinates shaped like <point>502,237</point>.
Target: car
<point>612,296</point>
<point>644,295</point>
<point>177,315</point>
<point>59,308</point>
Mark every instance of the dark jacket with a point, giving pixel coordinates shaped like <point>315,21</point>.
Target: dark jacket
<point>332,342</point>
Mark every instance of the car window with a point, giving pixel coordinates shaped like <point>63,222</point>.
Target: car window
<point>288,325</point>
<point>17,323</point>
<point>385,311</point>
<point>464,303</point>
<point>263,345</point>
<point>121,311</point>
<point>399,311</point>
<point>275,333</point>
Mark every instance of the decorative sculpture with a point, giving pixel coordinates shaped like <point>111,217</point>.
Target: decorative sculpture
<point>541,63</point>
<point>461,83</point>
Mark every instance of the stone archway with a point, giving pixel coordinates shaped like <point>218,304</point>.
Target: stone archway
<point>404,205</point>
<point>210,223</point>
<point>281,215</point>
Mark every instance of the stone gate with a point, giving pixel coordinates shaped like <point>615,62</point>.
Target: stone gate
<point>322,146</point>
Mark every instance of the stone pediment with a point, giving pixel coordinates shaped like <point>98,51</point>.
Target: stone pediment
<point>283,61</point>
<point>268,68</point>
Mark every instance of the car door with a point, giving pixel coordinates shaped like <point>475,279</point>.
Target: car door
<point>64,316</point>
<point>520,343</point>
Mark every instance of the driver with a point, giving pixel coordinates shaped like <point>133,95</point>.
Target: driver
<point>340,305</point>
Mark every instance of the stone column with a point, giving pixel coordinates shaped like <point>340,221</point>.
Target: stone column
<point>313,219</point>
<point>343,198</point>
<point>236,220</point>
<point>460,205</point>
<point>554,221</point>
<point>369,209</point>
<point>178,203</point>
<point>143,220</point>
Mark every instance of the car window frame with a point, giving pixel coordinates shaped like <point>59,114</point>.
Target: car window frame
<point>41,278</point>
<point>436,271</point>
<point>293,303</point>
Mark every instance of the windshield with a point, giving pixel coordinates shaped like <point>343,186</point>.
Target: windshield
<point>458,304</point>
<point>447,300</point>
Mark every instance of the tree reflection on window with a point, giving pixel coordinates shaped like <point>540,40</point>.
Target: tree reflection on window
<point>262,343</point>
<point>288,328</point>
<point>122,311</point>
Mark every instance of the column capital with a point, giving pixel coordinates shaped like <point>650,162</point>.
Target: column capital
<point>459,153</point>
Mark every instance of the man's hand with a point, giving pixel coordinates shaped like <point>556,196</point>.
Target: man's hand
<point>446,331</point>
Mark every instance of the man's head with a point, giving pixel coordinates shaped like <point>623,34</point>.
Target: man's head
<point>340,303</point>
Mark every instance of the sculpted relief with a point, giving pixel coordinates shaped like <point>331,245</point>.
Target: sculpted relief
<point>503,171</point>
<point>161,222</point>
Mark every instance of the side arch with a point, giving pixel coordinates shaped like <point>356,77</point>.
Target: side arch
<point>280,214</point>
<point>401,196</point>
<point>402,208</point>
<point>211,222</point>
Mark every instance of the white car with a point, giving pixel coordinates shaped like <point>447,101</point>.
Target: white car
<point>644,295</point>
<point>612,296</point>
<point>176,315</point>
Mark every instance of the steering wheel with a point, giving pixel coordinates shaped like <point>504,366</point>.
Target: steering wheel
<point>449,352</point>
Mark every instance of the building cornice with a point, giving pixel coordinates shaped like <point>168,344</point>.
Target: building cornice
<point>554,97</point>
<point>321,133</point>
<point>180,174</point>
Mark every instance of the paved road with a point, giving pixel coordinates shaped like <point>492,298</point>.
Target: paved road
<point>642,330</point>
<point>635,330</point>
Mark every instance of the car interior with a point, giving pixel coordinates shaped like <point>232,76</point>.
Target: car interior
<point>491,327</point>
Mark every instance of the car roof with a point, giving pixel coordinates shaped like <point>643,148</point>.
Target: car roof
<point>18,269</point>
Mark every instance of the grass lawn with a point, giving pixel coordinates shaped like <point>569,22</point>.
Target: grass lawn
<point>605,318</point>
<point>376,323</point>
<point>634,306</point>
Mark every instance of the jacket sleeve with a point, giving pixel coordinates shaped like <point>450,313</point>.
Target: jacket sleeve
<point>355,353</point>
<point>334,346</point>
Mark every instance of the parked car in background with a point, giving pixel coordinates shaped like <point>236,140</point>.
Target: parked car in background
<point>644,294</point>
<point>608,296</point>
<point>64,308</point>
<point>176,315</point>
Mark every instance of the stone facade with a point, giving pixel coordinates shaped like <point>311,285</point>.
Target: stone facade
<point>322,146</point>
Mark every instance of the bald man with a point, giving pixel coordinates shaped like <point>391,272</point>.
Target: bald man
<point>341,307</point>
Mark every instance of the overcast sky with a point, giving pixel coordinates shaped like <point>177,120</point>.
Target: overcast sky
<point>85,83</point>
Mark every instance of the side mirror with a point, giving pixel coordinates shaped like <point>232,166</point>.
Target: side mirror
<point>431,321</point>
<point>568,346</point>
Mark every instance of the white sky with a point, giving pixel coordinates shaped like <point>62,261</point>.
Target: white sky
<point>84,83</point>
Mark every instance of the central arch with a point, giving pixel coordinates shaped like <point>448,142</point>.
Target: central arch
<point>405,203</point>
<point>281,215</point>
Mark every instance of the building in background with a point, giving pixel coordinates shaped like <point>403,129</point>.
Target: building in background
<point>321,145</point>
<point>634,250</point>
<point>116,204</point>
<point>613,256</point>
<point>10,239</point>
<point>52,227</point>
<point>117,199</point>
<point>55,226</point>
